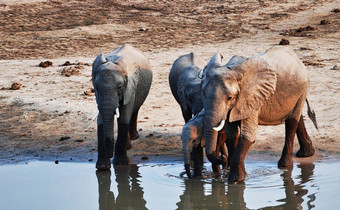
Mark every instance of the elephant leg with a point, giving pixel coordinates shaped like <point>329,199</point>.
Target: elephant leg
<point>286,159</point>
<point>121,157</point>
<point>133,127</point>
<point>198,161</point>
<point>103,162</point>
<point>232,137</point>
<point>237,169</point>
<point>216,167</point>
<point>224,155</point>
<point>220,152</point>
<point>306,146</point>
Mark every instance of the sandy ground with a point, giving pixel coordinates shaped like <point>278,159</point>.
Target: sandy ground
<point>49,116</point>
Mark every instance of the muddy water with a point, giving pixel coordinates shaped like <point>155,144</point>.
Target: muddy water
<point>46,185</point>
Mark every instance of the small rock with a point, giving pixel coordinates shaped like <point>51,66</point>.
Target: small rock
<point>336,67</point>
<point>145,158</point>
<point>324,22</point>
<point>88,93</point>
<point>45,64</point>
<point>15,86</point>
<point>143,29</point>
<point>336,10</point>
<point>90,160</point>
<point>67,63</point>
<point>79,140</point>
<point>56,162</point>
<point>284,42</point>
<point>64,138</point>
<point>150,135</point>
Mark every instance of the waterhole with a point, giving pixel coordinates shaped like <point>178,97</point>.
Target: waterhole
<point>159,185</point>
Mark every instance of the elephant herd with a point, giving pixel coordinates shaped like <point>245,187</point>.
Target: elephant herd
<point>222,105</point>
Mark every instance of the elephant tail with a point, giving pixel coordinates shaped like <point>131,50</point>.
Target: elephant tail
<point>311,115</point>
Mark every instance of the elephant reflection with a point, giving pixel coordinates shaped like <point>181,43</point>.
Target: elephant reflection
<point>130,193</point>
<point>194,197</point>
<point>296,192</point>
<point>225,196</point>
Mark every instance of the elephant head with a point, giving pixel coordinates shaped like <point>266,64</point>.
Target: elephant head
<point>113,88</point>
<point>233,92</point>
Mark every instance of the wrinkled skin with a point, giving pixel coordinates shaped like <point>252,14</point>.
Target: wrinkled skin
<point>122,81</point>
<point>193,142</point>
<point>267,89</point>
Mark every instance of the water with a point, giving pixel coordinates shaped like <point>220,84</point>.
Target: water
<point>46,185</point>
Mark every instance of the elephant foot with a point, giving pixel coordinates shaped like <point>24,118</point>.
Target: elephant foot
<point>201,176</point>
<point>305,152</point>
<point>216,169</point>
<point>121,160</point>
<point>285,162</point>
<point>103,164</point>
<point>237,174</point>
<point>134,135</point>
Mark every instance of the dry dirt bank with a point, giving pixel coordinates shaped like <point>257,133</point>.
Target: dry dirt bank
<point>49,117</point>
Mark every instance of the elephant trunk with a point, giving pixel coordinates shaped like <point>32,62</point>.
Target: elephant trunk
<point>187,149</point>
<point>108,113</point>
<point>212,124</point>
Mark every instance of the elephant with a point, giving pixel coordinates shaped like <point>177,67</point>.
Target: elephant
<point>185,84</point>
<point>122,81</point>
<point>266,89</point>
<point>193,140</point>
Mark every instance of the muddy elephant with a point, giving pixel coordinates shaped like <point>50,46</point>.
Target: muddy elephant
<point>267,89</point>
<point>193,140</point>
<point>122,81</point>
<point>185,84</point>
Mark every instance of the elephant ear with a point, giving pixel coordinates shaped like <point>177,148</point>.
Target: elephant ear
<point>181,91</point>
<point>100,59</point>
<point>131,86</point>
<point>215,61</point>
<point>257,85</point>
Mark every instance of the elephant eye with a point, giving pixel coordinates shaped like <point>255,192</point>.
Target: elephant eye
<point>229,98</point>
<point>120,87</point>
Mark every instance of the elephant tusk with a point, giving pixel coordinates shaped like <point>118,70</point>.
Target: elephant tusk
<point>218,128</point>
<point>95,115</point>
<point>117,113</point>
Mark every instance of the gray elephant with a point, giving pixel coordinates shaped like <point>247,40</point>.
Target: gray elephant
<point>267,89</point>
<point>192,137</point>
<point>122,81</point>
<point>185,84</point>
